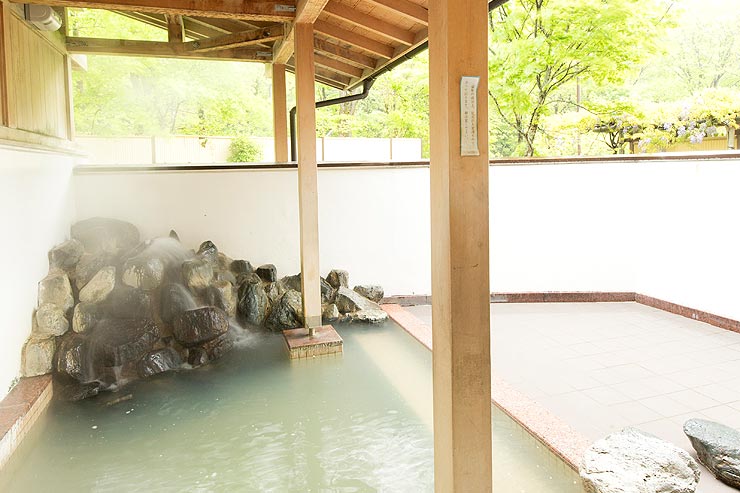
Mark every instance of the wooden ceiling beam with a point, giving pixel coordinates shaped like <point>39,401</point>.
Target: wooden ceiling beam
<point>337,51</point>
<point>409,10</point>
<point>306,11</point>
<point>358,40</point>
<point>369,22</point>
<point>337,66</point>
<point>235,40</point>
<point>158,49</point>
<point>265,10</point>
<point>192,29</point>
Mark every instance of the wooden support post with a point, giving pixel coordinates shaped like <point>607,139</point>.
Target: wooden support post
<point>68,97</point>
<point>458,34</point>
<point>307,174</point>
<point>175,28</point>
<point>279,113</point>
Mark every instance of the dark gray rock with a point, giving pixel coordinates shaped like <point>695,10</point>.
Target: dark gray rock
<point>85,316</point>
<point>274,291</point>
<point>99,234</point>
<point>216,348</point>
<point>208,250</point>
<point>66,255</point>
<point>56,289</point>
<point>194,327</point>
<point>287,313</point>
<point>267,272</point>
<point>88,266</point>
<point>158,361</point>
<point>71,390</point>
<point>50,321</point>
<point>198,273</point>
<point>223,295</point>
<point>125,302</point>
<point>143,273</point>
<point>370,291</point>
<point>100,286</point>
<point>116,342</point>
<point>241,267</point>
<point>72,358</point>
<point>338,279</point>
<point>718,448</point>
<point>328,293</point>
<point>254,304</point>
<point>173,234</point>
<point>359,308</point>
<point>174,300</point>
<point>37,357</point>
<point>637,462</point>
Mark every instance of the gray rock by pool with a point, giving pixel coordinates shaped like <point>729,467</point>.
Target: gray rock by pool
<point>718,448</point>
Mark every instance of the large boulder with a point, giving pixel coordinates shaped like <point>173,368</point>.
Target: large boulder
<point>125,302</point>
<point>198,273</point>
<point>88,266</point>
<point>328,293</point>
<point>115,342</point>
<point>718,448</point>
<point>194,327</point>
<point>37,357</point>
<point>330,313</point>
<point>56,289</point>
<point>338,279</point>
<point>85,316</point>
<point>372,292</point>
<point>208,251</point>
<point>287,313</point>
<point>100,286</point>
<point>99,234</point>
<point>66,255</point>
<point>359,308</point>
<point>267,272</point>
<point>174,300</point>
<point>637,462</point>
<point>72,358</point>
<point>49,321</point>
<point>223,295</point>
<point>158,361</point>
<point>143,273</point>
<point>254,304</point>
<point>241,267</point>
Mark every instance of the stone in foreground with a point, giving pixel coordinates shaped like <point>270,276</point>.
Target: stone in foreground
<point>637,462</point>
<point>718,448</point>
<point>325,340</point>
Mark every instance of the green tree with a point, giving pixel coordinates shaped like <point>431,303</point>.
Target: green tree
<point>538,46</point>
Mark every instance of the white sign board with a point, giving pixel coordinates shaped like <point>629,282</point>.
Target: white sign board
<point>469,116</point>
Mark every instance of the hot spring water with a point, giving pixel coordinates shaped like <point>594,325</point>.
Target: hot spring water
<point>254,421</point>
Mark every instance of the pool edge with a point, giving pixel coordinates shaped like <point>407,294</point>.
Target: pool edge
<point>20,410</point>
<point>559,437</point>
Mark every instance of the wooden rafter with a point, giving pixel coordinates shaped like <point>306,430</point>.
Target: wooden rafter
<point>235,40</point>
<point>192,30</point>
<point>266,10</point>
<point>158,49</point>
<point>358,40</point>
<point>410,10</point>
<point>338,66</point>
<point>336,51</point>
<point>402,51</point>
<point>307,11</point>
<point>369,22</point>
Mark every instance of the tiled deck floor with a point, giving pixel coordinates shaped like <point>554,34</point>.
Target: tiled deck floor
<point>603,366</point>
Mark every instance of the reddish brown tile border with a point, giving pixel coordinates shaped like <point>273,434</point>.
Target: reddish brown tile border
<point>588,297</point>
<point>692,313</point>
<point>556,435</point>
<point>20,410</point>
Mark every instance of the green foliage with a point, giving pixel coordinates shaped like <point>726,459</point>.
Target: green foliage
<point>244,150</point>
<point>538,46</point>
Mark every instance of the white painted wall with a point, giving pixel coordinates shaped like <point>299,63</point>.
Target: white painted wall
<point>665,229</point>
<point>37,210</point>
